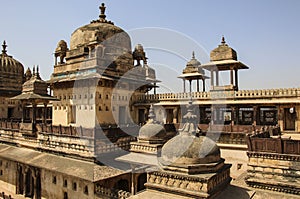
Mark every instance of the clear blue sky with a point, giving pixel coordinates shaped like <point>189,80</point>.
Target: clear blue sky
<point>265,33</point>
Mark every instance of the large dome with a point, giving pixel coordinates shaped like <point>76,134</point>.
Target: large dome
<point>11,74</point>
<point>100,31</point>
<point>189,152</point>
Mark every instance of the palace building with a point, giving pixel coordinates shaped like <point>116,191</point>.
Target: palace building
<point>93,130</point>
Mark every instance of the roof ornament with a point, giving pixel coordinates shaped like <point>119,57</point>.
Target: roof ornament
<point>33,71</point>
<point>193,55</point>
<point>102,16</point>
<point>4,46</point>
<point>223,40</point>
<point>151,116</point>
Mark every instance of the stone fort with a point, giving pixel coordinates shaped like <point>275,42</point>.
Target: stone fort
<point>93,130</point>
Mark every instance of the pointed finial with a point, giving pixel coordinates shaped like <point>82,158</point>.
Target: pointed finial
<point>151,115</point>
<point>193,55</point>
<point>4,46</point>
<point>33,71</point>
<point>223,40</point>
<point>102,9</point>
<point>37,69</point>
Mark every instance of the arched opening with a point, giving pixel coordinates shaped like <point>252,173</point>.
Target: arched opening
<point>65,195</point>
<point>29,184</point>
<point>122,185</point>
<point>38,187</point>
<point>20,181</point>
<point>142,179</point>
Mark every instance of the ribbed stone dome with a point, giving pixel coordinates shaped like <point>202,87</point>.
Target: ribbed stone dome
<point>11,73</point>
<point>9,64</point>
<point>190,150</point>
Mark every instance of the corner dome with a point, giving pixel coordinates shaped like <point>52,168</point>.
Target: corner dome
<point>99,31</point>
<point>11,73</point>
<point>223,52</point>
<point>9,64</point>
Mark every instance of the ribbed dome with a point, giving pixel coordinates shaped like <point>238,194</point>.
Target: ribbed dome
<point>11,73</point>
<point>223,52</point>
<point>189,150</point>
<point>9,64</point>
<point>100,31</point>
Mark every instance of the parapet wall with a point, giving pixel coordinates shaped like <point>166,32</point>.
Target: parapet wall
<point>274,162</point>
<point>241,94</point>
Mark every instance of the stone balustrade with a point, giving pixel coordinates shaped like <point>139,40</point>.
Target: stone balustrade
<point>241,94</point>
<point>111,193</point>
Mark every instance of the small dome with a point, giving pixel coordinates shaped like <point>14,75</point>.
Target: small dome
<point>193,62</point>
<point>61,46</point>
<point>152,130</point>
<point>11,72</point>
<point>223,52</point>
<point>193,66</point>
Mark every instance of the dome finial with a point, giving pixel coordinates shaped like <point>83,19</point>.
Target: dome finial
<point>4,46</point>
<point>102,9</point>
<point>223,40</point>
<point>151,115</point>
<point>193,55</point>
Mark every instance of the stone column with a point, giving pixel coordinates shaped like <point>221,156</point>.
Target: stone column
<point>233,115</point>
<point>231,76</point>
<point>184,85</point>
<point>23,112</point>
<point>175,112</point>
<point>254,115</point>
<point>132,180</point>
<point>203,84</point>
<point>33,113</point>
<point>45,114</point>
<point>211,79</point>
<point>197,85</point>
<point>190,86</point>
<point>154,88</point>
<point>212,110</point>
<point>236,79</point>
<point>217,77</point>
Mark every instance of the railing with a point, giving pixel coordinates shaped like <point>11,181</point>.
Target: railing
<point>263,142</point>
<point>122,143</point>
<point>111,193</point>
<point>242,94</point>
<point>4,125</point>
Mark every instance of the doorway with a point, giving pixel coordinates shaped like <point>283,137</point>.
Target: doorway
<point>289,119</point>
